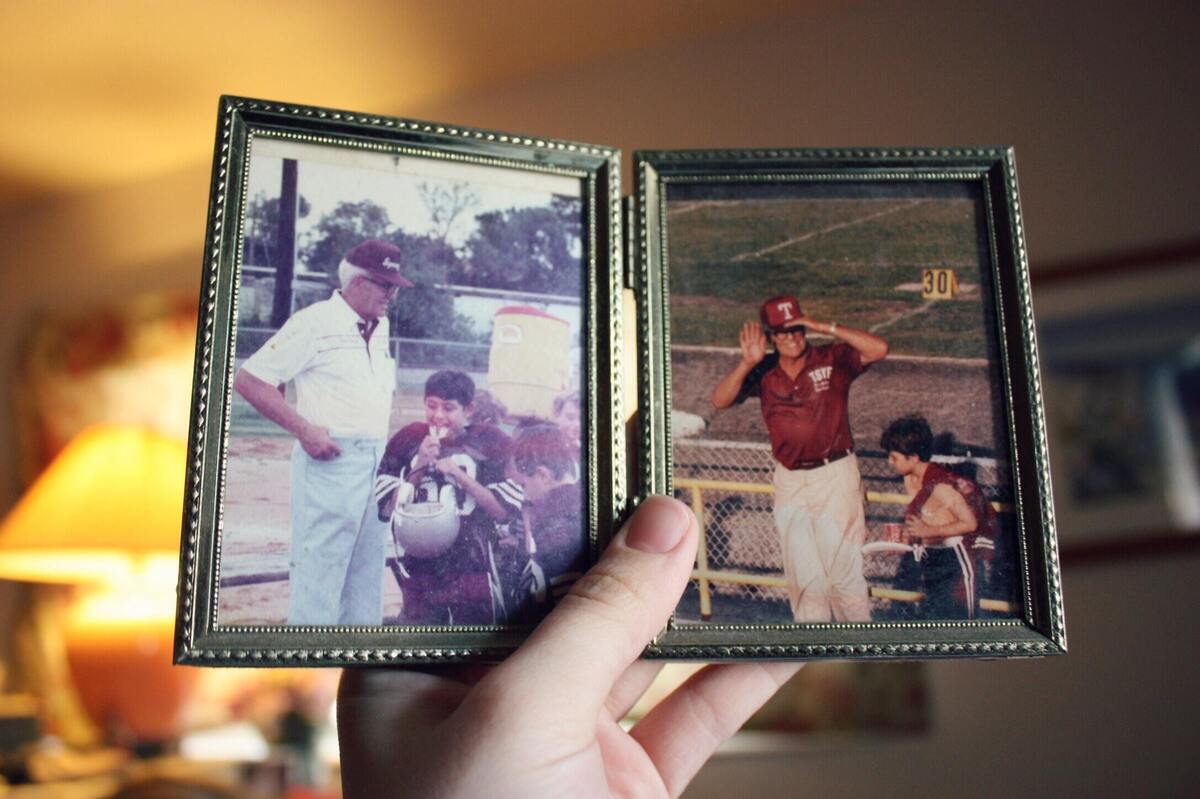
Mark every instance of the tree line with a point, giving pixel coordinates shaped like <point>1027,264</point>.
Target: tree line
<point>531,249</point>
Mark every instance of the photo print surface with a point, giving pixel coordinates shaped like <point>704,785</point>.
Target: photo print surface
<point>837,412</point>
<point>406,429</point>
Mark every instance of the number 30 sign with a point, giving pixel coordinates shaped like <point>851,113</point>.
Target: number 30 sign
<point>938,284</point>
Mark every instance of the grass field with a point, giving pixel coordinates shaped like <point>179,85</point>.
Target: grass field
<point>858,261</point>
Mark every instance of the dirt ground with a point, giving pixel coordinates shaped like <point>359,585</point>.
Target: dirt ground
<point>256,535</point>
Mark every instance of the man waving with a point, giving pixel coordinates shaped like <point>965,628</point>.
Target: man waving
<point>804,393</point>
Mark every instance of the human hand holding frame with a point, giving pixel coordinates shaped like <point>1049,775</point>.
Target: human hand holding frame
<point>546,721</point>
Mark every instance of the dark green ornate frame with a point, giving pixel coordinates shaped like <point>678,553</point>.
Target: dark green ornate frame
<point>1041,630</point>
<point>200,638</point>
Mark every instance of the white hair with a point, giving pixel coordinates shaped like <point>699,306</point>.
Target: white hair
<point>348,271</point>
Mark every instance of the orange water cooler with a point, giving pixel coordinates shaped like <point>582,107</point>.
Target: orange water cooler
<point>530,360</point>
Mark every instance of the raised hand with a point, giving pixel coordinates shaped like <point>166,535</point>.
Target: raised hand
<point>753,343</point>
<point>429,450</point>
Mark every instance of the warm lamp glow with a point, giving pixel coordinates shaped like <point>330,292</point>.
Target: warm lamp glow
<point>106,514</point>
<point>108,506</point>
<point>118,646</point>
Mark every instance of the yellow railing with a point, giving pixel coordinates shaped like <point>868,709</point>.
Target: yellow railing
<point>704,576</point>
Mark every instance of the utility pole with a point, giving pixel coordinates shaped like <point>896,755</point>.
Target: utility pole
<point>285,253</point>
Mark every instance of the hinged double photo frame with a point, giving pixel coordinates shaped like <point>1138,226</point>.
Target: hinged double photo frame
<point>437,367</point>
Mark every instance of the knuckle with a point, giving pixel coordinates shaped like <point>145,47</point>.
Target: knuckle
<point>605,593</point>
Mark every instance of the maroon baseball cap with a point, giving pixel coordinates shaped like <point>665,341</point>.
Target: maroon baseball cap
<point>780,313</point>
<point>381,259</point>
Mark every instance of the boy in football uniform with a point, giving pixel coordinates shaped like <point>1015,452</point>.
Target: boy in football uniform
<point>450,587</point>
<point>948,517</point>
<point>540,548</point>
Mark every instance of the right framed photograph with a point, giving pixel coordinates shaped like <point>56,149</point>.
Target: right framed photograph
<point>839,376</point>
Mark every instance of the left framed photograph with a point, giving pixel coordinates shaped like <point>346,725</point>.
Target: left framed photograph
<point>406,434</point>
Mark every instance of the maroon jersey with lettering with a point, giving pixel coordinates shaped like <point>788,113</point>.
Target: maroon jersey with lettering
<point>488,446</point>
<point>806,416</point>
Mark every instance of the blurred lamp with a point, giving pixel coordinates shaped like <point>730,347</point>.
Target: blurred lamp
<point>105,516</point>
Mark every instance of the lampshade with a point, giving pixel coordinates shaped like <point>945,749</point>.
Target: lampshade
<point>111,502</point>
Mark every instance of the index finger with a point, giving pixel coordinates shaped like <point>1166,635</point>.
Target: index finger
<point>682,731</point>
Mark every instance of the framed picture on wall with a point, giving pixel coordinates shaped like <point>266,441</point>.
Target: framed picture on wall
<point>405,444</point>
<point>1120,350</point>
<point>840,376</point>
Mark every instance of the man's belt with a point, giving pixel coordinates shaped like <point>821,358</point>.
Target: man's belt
<point>833,456</point>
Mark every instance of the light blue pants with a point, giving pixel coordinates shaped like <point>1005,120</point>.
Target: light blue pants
<point>338,543</point>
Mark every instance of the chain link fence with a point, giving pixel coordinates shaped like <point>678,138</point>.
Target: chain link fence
<point>728,485</point>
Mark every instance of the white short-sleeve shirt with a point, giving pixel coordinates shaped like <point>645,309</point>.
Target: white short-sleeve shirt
<point>343,383</point>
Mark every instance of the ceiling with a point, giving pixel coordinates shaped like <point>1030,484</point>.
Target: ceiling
<point>111,93</point>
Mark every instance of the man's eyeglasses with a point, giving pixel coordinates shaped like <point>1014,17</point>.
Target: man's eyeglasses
<point>386,288</point>
<point>791,332</point>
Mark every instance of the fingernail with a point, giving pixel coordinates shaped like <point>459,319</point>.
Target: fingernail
<point>658,526</point>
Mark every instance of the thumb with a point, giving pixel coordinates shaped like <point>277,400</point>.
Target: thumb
<point>570,662</point>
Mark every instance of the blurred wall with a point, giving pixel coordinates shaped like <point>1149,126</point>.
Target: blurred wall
<point>1099,100</point>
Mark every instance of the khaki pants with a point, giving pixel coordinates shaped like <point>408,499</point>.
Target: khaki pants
<point>822,527</point>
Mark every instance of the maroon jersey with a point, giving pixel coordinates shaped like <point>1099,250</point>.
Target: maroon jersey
<point>807,417</point>
<point>487,445</point>
<point>451,588</point>
<point>950,571</point>
<point>985,516</point>
<point>557,524</point>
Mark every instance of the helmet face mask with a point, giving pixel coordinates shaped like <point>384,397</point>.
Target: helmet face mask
<point>427,518</point>
<point>427,529</point>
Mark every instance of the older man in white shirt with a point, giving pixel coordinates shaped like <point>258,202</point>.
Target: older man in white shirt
<point>336,352</point>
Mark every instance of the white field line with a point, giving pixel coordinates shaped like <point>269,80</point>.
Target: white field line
<point>812,234</point>
<point>684,208</point>
<point>885,324</point>
<point>908,358</point>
